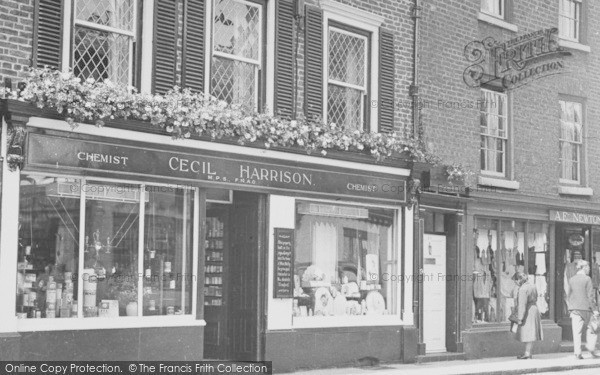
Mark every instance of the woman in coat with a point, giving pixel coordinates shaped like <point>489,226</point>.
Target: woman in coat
<point>529,321</point>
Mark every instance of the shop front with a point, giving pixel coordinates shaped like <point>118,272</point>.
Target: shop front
<point>191,249</point>
<point>542,240</point>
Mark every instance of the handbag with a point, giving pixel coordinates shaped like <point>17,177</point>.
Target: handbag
<point>594,325</point>
<point>513,317</point>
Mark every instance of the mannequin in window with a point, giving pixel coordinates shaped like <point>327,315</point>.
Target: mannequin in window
<point>482,284</point>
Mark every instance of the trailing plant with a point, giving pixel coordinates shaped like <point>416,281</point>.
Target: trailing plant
<point>184,113</point>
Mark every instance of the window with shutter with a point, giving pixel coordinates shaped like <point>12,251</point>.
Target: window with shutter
<point>351,61</point>
<point>104,33</point>
<point>387,80</point>
<point>313,80</point>
<point>48,24</point>
<point>165,41</point>
<point>284,58</point>
<point>237,52</point>
<point>192,75</point>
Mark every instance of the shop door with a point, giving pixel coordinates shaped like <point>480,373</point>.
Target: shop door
<point>571,242</point>
<point>245,324</point>
<point>434,293</point>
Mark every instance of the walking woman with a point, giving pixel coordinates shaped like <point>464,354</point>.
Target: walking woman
<point>529,321</point>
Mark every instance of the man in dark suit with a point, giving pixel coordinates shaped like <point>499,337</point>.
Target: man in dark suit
<point>582,305</point>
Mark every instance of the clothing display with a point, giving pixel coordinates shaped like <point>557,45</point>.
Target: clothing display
<point>482,283</point>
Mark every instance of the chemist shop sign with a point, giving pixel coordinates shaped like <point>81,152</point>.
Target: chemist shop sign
<point>230,170</point>
<point>515,62</point>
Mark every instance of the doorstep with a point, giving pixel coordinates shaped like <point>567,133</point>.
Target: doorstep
<point>489,366</point>
<point>441,357</point>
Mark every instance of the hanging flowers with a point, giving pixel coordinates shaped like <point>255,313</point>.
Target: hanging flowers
<point>184,113</point>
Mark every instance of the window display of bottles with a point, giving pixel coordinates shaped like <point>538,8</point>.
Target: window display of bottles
<point>213,269</point>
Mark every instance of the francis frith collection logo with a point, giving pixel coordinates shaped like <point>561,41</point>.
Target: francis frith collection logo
<point>516,62</point>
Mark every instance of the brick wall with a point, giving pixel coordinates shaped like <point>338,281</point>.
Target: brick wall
<point>16,34</point>
<point>16,40</point>
<point>446,28</point>
<point>397,20</point>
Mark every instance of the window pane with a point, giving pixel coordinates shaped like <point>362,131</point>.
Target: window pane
<point>110,275</point>
<point>168,251</point>
<point>512,245</point>
<point>347,58</point>
<point>344,263</point>
<point>539,264</point>
<point>117,14</point>
<point>484,272</point>
<point>236,29</point>
<point>48,252</point>
<point>101,55</point>
<point>345,107</point>
<point>234,82</point>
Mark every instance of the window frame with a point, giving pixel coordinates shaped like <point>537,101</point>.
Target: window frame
<point>501,8</point>
<point>581,169</point>
<point>572,19</point>
<point>80,322</point>
<point>365,95</point>
<point>506,161</point>
<point>70,22</point>
<point>345,15</point>
<point>265,50</point>
<point>528,223</point>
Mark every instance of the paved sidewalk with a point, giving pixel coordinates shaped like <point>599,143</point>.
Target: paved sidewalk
<point>490,366</point>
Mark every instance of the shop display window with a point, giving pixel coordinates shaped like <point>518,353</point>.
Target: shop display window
<point>127,246</point>
<point>503,248</point>
<point>344,261</point>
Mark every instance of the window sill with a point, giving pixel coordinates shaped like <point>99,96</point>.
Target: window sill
<point>497,22</point>
<point>574,45</point>
<point>345,321</point>
<point>499,183</point>
<point>78,324</point>
<point>576,190</point>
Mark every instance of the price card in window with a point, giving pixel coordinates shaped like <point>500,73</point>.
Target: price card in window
<point>283,278</point>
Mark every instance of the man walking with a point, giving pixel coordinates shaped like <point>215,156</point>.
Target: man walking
<point>582,305</point>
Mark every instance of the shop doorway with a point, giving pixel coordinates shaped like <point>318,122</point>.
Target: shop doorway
<point>233,284</point>
<point>434,286</point>
<point>572,242</point>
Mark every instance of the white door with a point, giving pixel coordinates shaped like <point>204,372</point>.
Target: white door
<point>434,293</point>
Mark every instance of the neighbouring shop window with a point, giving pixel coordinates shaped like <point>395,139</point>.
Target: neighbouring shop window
<point>347,77</point>
<point>136,246</point>
<point>103,40</point>
<point>237,51</point>
<point>571,141</point>
<point>569,24</point>
<point>539,265</point>
<point>493,7</point>
<point>494,132</point>
<point>503,248</point>
<point>345,263</point>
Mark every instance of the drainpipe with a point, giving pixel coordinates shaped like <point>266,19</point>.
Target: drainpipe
<point>418,221</point>
<point>414,87</point>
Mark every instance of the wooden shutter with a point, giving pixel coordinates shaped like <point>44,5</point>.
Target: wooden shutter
<point>284,58</point>
<point>165,41</point>
<point>47,37</point>
<point>192,70</point>
<point>386,81</point>
<point>313,80</point>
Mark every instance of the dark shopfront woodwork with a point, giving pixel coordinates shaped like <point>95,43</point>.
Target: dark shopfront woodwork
<point>569,240</point>
<point>235,234</point>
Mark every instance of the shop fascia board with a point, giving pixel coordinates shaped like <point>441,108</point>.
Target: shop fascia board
<point>535,201</point>
<point>398,164</point>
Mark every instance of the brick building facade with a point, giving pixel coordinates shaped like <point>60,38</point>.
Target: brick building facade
<point>347,61</point>
<point>525,175</point>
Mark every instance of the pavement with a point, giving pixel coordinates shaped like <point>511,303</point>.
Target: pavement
<point>541,363</point>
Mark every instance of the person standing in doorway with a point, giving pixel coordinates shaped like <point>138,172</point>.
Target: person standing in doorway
<point>582,305</point>
<point>529,327</point>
